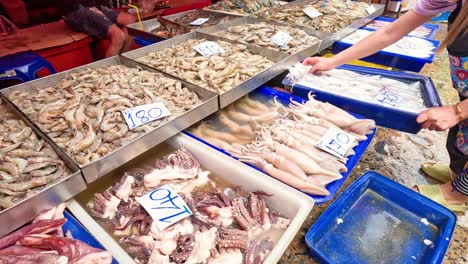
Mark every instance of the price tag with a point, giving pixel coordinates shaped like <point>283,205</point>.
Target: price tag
<point>312,12</point>
<point>387,98</point>
<point>165,206</point>
<point>140,115</point>
<point>199,21</point>
<point>208,48</point>
<point>336,142</point>
<point>9,73</point>
<point>281,39</point>
<point>370,9</point>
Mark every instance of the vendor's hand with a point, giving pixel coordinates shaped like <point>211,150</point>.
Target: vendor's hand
<point>319,64</point>
<point>438,118</point>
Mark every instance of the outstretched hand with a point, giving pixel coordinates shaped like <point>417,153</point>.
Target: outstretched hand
<point>438,118</point>
<point>319,64</point>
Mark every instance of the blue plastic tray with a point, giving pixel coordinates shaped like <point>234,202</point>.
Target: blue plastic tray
<point>143,42</point>
<point>383,116</point>
<point>400,61</point>
<point>377,220</point>
<point>434,28</point>
<point>80,233</point>
<point>285,98</point>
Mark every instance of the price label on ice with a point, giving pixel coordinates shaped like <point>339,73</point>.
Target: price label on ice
<point>389,99</point>
<point>281,38</point>
<point>336,142</point>
<point>208,48</point>
<point>312,12</point>
<point>140,115</point>
<point>199,21</point>
<point>370,9</point>
<point>165,206</point>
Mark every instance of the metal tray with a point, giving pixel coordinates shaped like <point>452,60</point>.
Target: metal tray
<point>238,14</point>
<point>100,167</point>
<point>27,209</point>
<point>150,25</point>
<point>285,199</point>
<point>174,17</point>
<point>333,37</point>
<point>282,63</point>
<point>250,20</point>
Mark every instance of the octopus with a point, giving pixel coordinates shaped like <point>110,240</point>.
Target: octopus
<point>281,141</point>
<point>336,14</point>
<point>224,223</point>
<point>82,114</point>
<point>244,7</point>
<point>261,34</point>
<point>218,73</point>
<point>27,163</point>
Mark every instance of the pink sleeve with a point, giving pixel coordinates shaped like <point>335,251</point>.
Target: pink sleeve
<point>433,7</point>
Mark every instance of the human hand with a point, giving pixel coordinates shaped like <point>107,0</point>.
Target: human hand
<point>319,64</point>
<point>438,118</point>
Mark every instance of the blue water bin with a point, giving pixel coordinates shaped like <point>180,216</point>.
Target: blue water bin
<point>377,220</point>
<point>383,115</point>
<point>142,42</point>
<point>285,99</point>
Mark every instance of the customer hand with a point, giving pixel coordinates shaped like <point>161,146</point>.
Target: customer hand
<point>319,64</point>
<point>438,118</point>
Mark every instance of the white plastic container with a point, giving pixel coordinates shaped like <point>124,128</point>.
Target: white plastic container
<point>285,199</point>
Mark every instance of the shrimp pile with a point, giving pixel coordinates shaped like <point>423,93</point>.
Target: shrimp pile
<point>27,163</point>
<point>219,72</point>
<point>82,114</point>
<point>335,14</point>
<point>244,7</point>
<point>225,224</point>
<point>261,34</point>
<point>281,140</point>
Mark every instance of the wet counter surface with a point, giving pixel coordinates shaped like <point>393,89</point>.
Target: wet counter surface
<point>399,156</point>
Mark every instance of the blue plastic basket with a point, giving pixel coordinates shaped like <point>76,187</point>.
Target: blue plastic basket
<point>80,233</point>
<point>143,42</point>
<point>395,60</point>
<point>434,28</point>
<point>377,220</point>
<point>333,187</point>
<point>384,116</point>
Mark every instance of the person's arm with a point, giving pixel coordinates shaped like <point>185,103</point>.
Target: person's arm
<point>372,43</point>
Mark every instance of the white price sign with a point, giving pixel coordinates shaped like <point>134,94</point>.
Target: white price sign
<point>140,115</point>
<point>208,48</point>
<point>312,12</point>
<point>370,9</point>
<point>336,142</point>
<point>199,21</point>
<point>165,206</point>
<point>389,99</point>
<point>281,38</point>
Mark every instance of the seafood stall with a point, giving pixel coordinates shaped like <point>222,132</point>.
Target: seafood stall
<point>392,99</point>
<point>277,134</point>
<point>231,71</point>
<point>297,41</point>
<point>90,129</point>
<point>35,176</point>
<point>214,187</point>
<point>170,26</point>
